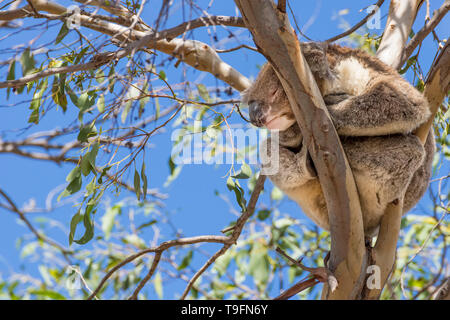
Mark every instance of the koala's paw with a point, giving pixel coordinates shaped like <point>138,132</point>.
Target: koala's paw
<point>315,55</point>
<point>291,137</point>
<point>285,168</point>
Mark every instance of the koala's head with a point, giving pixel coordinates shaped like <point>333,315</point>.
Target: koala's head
<point>268,104</point>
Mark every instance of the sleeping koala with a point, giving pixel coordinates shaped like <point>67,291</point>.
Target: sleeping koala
<point>374,111</point>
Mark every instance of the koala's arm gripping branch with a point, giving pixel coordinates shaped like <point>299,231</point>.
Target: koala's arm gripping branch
<point>276,39</point>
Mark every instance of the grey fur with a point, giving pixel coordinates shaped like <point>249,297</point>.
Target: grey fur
<point>374,111</point>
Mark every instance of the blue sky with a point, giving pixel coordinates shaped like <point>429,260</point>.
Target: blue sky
<point>192,203</point>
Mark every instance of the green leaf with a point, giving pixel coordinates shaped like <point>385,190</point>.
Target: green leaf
<point>93,155</point>
<point>104,171</point>
<point>157,283</point>
<point>126,110</point>
<point>101,103</point>
<point>99,76</point>
<point>58,94</point>
<point>259,266</point>
<point>28,249</point>
<point>157,108</point>
<point>88,225</point>
<point>36,101</point>
<point>11,75</point>
<point>85,101</point>
<point>143,101</point>
<point>85,165</point>
<point>73,97</point>
<point>230,184</point>
<point>109,218</point>
<point>88,160</point>
<point>74,186</point>
<point>222,263</point>
<point>238,191</point>
<point>203,92</point>
<point>134,240</point>
<point>144,180</point>
<point>62,33</point>
<point>47,294</point>
<point>132,94</point>
<point>34,117</point>
<point>74,177</point>
<point>11,71</point>
<point>111,79</point>
<point>186,260</point>
<point>276,194</point>
<point>409,63</point>
<point>137,185</point>
<point>162,75</point>
<point>171,165</point>
<point>86,132</point>
<point>90,188</point>
<point>80,55</point>
<point>27,62</point>
<point>244,173</point>
<point>76,172</point>
<point>263,214</point>
<point>76,219</point>
<point>147,224</point>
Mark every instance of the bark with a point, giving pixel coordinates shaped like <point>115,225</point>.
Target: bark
<point>402,14</point>
<point>276,39</point>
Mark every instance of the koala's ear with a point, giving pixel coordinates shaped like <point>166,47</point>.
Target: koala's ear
<point>245,96</point>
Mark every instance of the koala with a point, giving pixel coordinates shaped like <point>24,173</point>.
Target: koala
<point>374,111</point>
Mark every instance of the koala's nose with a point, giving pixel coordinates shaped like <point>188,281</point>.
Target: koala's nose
<point>256,115</point>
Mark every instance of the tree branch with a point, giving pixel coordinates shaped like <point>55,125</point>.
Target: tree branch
<point>51,71</point>
<point>195,53</point>
<point>226,241</point>
<point>402,14</point>
<point>158,250</point>
<point>347,260</point>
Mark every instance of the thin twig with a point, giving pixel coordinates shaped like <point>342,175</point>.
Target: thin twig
<point>159,249</point>
<point>38,235</point>
<point>259,185</point>
<point>356,26</point>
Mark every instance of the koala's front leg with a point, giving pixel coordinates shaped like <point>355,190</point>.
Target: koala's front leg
<point>286,168</point>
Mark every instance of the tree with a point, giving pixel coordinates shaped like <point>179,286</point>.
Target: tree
<point>113,73</point>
